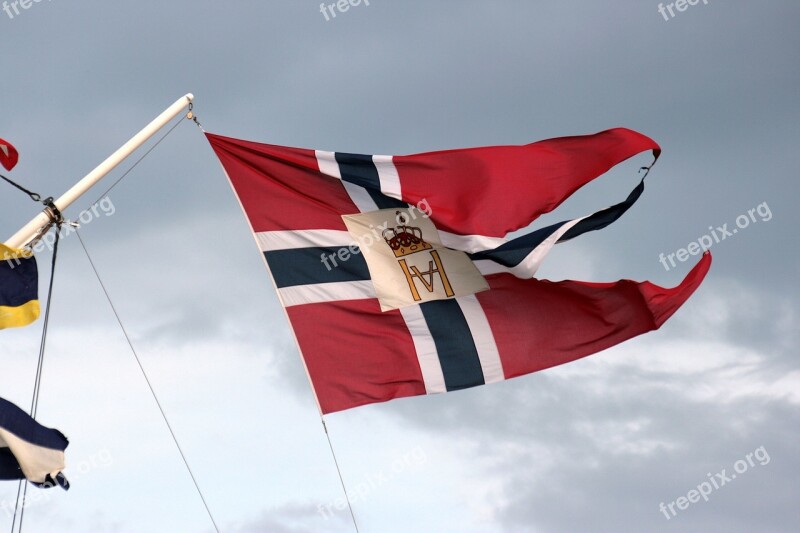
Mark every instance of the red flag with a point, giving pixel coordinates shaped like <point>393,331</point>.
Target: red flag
<point>8,155</point>
<point>333,287</point>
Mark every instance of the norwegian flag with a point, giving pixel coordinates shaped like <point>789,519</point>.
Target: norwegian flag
<point>8,155</point>
<point>355,352</point>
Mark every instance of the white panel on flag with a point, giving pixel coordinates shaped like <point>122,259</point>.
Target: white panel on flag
<point>407,262</point>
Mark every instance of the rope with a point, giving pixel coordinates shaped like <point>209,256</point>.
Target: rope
<point>193,117</point>
<point>124,331</point>
<point>34,405</point>
<point>35,197</point>
<point>338,471</point>
<point>16,505</point>
<point>177,123</point>
<point>39,368</point>
<point>147,380</point>
<point>127,336</point>
<point>45,323</point>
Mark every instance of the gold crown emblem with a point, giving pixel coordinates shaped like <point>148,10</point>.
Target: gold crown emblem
<point>405,240</point>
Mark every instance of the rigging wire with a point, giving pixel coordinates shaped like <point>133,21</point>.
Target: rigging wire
<point>338,471</point>
<point>128,339</point>
<point>39,368</point>
<point>34,407</point>
<point>177,123</point>
<point>193,117</point>
<point>35,197</point>
<point>147,380</point>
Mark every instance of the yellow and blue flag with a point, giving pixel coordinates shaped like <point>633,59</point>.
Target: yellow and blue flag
<point>19,288</point>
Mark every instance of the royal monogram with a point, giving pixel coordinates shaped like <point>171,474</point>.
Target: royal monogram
<point>404,241</point>
<point>408,264</point>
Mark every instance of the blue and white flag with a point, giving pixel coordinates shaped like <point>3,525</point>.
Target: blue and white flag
<point>28,450</point>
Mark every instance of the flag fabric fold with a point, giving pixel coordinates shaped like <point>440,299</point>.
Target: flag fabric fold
<point>19,285</point>
<point>28,450</point>
<point>359,350</point>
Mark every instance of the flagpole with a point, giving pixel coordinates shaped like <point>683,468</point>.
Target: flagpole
<point>28,232</point>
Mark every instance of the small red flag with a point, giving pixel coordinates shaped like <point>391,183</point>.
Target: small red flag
<point>8,155</point>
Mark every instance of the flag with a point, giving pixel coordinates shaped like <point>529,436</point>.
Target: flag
<point>19,285</point>
<point>367,255</point>
<point>8,155</point>
<point>28,450</point>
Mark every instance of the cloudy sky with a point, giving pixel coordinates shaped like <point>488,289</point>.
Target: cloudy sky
<point>596,445</point>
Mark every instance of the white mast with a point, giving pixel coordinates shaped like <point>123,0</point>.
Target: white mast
<point>28,232</point>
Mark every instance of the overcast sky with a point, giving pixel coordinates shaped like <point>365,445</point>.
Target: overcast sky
<point>595,445</point>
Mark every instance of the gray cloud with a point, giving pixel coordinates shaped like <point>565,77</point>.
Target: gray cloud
<point>595,445</point>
